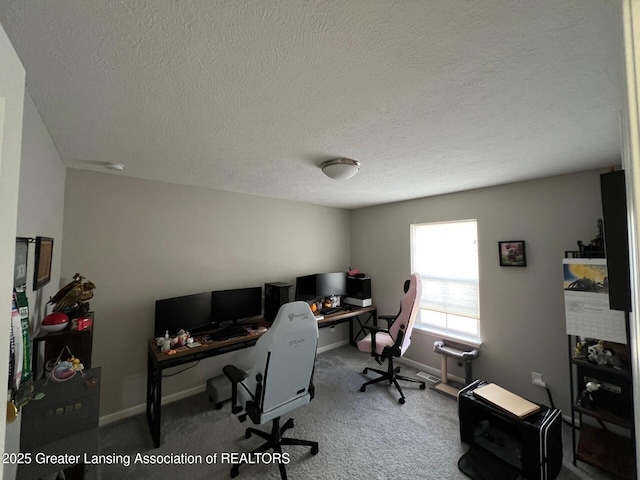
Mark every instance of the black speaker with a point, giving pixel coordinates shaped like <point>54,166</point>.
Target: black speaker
<point>275,295</point>
<point>359,288</point>
<point>616,239</point>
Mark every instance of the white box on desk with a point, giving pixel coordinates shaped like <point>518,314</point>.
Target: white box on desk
<point>359,302</point>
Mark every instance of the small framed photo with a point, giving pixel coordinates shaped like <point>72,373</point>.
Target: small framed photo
<point>44,253</point>
<point>512,253</point>
<point>20,264</point>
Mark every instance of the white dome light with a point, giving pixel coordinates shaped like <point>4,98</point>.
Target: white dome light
<point>340,168</point>
<point>118,167</point>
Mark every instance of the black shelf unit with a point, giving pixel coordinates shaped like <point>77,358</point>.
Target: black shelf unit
<point>599,445</point>
<point>605,444</point>
<point>79,342</point>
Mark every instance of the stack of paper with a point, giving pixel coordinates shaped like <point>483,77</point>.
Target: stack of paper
<point>506,400</point>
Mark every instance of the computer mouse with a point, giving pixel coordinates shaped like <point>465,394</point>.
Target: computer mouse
<point>255,327</point>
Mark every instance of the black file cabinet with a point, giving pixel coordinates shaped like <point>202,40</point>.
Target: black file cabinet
<point>533,445</point>
<point>63,425</point>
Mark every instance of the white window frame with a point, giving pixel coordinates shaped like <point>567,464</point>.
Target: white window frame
<point>441,319</point>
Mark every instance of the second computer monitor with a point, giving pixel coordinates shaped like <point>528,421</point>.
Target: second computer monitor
<point>306,288</point>
<point>229,306</point>
<point>328,284</point>
<point>319,285</point>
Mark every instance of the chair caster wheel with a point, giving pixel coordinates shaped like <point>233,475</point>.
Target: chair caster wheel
<point>422,386</point>
<point>365,371</point>
<point>235,472</point>
<point>396,370</point>
<point>247,434</point>
<point>363,388</point>
<point>314,450</point>
<point>401,401</point>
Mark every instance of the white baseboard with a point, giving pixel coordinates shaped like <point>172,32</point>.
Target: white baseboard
<point>142,407</point>
<point>428,369</point>
<point>331,346</point>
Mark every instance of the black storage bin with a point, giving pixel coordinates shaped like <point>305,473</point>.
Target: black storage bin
<point>533,444</point>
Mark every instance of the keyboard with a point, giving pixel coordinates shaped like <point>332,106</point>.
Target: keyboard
<point>228,332</point>
<point>331,311</point>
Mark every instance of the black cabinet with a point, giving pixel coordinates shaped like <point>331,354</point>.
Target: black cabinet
<point>532,445</point>
<point>63,423</point>
<point>616,239</point>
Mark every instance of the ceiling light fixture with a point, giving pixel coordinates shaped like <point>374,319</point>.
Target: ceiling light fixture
<point>340,168</point>
<point>118,167</point>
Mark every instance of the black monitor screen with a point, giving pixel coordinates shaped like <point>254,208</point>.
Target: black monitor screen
<point>328,284</point>
<point>237,304</point>
<point>306,287</point>
<point>190,313</point>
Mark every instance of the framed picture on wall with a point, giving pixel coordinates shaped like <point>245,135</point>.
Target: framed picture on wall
<point>44,253</point>
<point>512,253</point>
<point>20,263</point>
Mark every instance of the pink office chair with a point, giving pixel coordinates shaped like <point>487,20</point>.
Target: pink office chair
<point>390,343</point>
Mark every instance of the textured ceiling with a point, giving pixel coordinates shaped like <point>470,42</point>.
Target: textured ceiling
<point>431,96</point>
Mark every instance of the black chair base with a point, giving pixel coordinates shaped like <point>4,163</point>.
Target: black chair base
<point>274,441</point>
<point>391,376</point>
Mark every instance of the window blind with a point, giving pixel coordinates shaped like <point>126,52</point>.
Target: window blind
<point>446,256</point>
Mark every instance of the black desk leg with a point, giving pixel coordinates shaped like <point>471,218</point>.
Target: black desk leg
<point>351,339</point>
<point>354,339</point>
<point>154,399</point>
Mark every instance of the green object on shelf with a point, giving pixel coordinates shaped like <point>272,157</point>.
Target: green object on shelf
<point>22,302</point>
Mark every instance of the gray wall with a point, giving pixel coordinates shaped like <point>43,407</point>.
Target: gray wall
<point>522,309</point>
<point>40,211</point>
<point>140,241</point>
<point>12,76</point>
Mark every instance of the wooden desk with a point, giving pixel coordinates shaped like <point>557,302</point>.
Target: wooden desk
<point>158,361</point>
<point>360,314</point>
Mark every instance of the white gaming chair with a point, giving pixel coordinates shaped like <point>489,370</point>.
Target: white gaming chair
<point>279,379</point>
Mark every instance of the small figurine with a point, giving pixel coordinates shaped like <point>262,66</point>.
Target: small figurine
<point>74,297</point>
<point>180,340</point>
<point>76,365</point>
<point>596,353</point>
<point>585,400</point>
<point>581,349</point>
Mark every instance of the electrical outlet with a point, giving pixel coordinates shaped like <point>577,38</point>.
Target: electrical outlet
<point>536,379</point>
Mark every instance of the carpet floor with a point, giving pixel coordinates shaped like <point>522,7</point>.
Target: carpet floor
<point>361,435</point>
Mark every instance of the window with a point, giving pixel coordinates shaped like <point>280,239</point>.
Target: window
<point>446,257</point>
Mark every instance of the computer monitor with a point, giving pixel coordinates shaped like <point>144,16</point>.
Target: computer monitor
<point>328,284</point>
<point>310,287</point>
<point>230,306</point>
<point>306,288</point>
<point>190,313</point>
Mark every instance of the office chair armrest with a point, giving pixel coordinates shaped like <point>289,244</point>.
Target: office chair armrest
<point>388,318</point>
<point>375,328</point>
<point>235,376</point>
